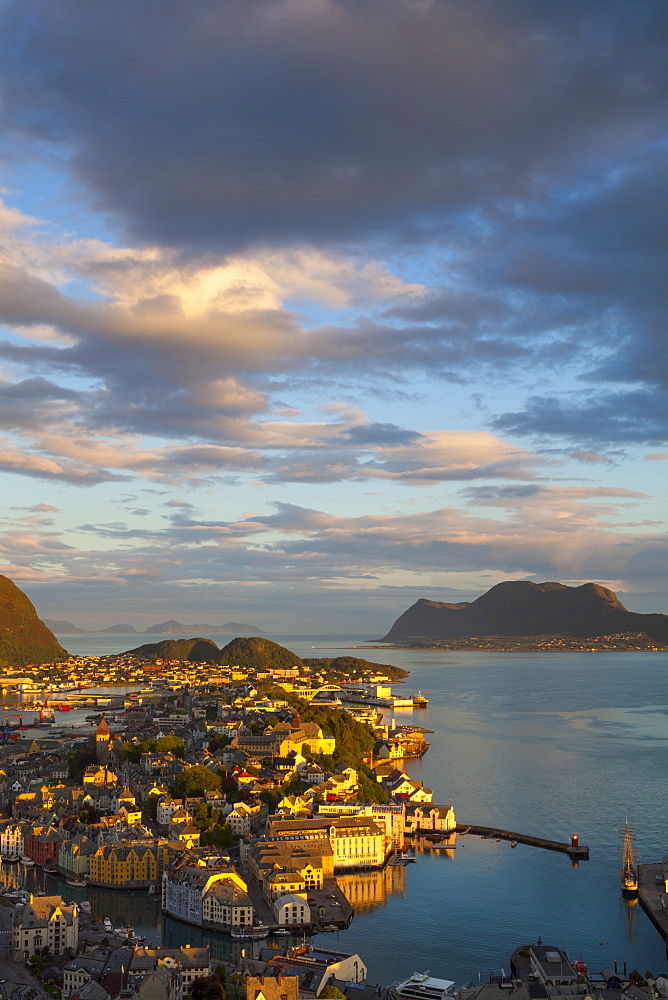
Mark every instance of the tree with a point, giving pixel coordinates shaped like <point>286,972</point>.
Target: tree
<point>78,761</point>
<point>331,993</point>
<point>214,991</point>
<point>171,744</point>
<point>271,796</point>
<point>195,781</point>
<point>208,988</point>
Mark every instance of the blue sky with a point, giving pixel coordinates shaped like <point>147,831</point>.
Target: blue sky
<point>311,307</point>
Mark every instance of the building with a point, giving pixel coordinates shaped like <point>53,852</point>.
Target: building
<point>102,738</point>
<point>225,906</point>
<point>282,862</point>
<point>42,844</point>
<point>177,969</point>
<point>185,886</point>
<point>314,968</point>
<point>99,774</point>
<point>424,817</point>
<point>356,841</point>
<point>272,988</point>
<point>245,817</point>
<point>75,854</point>
<point>11,839</point>
<point>291,910</point>
<point>44,922</point>
<point>109,970</point>
<point>130,864</point>
<point>551,966</point>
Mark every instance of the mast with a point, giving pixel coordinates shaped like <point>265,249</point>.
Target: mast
<point>629,858</point>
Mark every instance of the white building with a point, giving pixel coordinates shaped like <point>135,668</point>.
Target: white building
<point>225,905</point>
<point>291,910</point>
<point>45,922</point>
<point>11,839</point>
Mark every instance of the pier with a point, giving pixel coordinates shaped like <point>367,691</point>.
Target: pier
<point>650,895</point>
<point>574,849</point>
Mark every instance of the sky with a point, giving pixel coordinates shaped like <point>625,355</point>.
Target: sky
<point>312,308</point>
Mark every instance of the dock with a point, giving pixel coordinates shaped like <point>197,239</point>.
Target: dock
<point>650,895</point>
<point>574,849</point>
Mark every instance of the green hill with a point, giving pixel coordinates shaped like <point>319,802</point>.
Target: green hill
<point>249,653</point>
<point>24,638</point>
<point>256,653</point>
<point>193,650</point>
<point>352,668</point>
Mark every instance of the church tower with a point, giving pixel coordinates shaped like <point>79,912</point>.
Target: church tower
<point>102,737</point>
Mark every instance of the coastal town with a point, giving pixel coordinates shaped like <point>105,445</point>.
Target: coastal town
<point>262,804</point>
<point>246,800</point>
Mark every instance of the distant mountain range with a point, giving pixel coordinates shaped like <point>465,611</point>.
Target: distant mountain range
<point>163,628</point>
<point>522,608</point>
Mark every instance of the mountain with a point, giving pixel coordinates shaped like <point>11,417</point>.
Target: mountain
<point>522,608</point>
<point>194,650</point>
<point>178,628</point>
<point>247,652</point>
<point>254,652</point>
<point>24,638</point>
<point>63,628</point>
<point>163,628</point>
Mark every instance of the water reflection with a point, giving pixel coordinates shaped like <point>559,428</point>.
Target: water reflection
<point>367,890</point>
<point>630,915</point>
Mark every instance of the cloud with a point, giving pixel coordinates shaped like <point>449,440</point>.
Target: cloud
<point>590,457</point>
<point>332,120</point>
<point>637,415</point>
<point>30,463</point>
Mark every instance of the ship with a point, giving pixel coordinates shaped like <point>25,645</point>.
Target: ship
<point>419,700</point>
<point>629,858</point>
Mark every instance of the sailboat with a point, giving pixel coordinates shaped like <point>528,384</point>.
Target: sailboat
<point>629,858</point>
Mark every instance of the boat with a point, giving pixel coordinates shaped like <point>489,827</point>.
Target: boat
<point>250,933</point>
<point>151,888</point>
<point>107,924</point>
<point>401,858</point>
<point>28,862</point>
<point>419,700</point>
<point>11,858</point>
<point>513,843</point>
<point>629,858</point>
<point>77,882</point>
<point>281,931</point>
<point>422,986</point>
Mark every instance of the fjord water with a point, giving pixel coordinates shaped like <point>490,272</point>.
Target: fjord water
<point>541,743</point>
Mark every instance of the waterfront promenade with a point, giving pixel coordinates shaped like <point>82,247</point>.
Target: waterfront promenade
<point>650,894</point>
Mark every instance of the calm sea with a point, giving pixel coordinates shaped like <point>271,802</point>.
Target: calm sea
<point>550,744</point>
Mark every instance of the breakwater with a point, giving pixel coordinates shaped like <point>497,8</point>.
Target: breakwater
<point>573,848</point>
